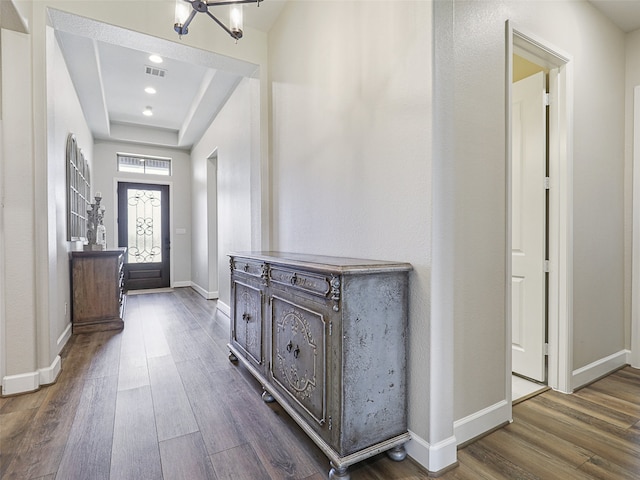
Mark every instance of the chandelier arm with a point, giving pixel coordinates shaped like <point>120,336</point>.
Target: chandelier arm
<point>189,19</point>
<point>231,2</point>
<point>222,25</point>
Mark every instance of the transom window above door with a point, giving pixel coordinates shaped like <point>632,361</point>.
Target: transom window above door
<point>144,165</point>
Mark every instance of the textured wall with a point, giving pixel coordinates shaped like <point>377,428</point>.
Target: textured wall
<point>351,146</point>
<point>632,80</point>
<point>18,205</point>
<point>65,116</point>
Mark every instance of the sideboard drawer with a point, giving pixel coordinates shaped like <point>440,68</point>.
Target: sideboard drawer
<point>307,282</point>
<point>249,267</point>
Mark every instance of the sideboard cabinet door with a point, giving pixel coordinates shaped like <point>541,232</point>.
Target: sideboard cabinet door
<point>298,359</point>
<point>246,329</point>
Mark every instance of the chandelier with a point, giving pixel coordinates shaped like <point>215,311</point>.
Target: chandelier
<point>184,14</point>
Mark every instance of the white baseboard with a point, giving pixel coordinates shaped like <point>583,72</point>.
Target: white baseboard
<point>31,381</point>
<point>186,283</point>
<point>224,308</point>
<point>481,422</point>
<point>589,373</point>
<point>432,457</point>
<point>21,383</point>
<point>64,338</point>
<point>48,375</point>
<point>203,292</point>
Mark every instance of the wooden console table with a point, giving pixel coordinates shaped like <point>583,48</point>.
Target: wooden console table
<point>97,290</point>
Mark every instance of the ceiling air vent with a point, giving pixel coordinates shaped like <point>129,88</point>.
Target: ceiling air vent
<point>155,71</point>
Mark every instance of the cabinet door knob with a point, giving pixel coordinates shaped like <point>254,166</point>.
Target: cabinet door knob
<point>289,346</point>
<point>246,317</point>
<point>296,352</point>
<point>294,279</point>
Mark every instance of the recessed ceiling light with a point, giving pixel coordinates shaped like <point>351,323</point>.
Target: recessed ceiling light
<point>148,111</point>
<point>155,58</point>
<point>150,90</point>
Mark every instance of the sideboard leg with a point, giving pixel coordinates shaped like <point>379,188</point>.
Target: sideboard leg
<point>397,454</point>
<point>267,397</point>
<point>339,473</point>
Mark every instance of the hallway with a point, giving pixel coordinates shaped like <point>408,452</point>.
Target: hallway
<point>160,400</point>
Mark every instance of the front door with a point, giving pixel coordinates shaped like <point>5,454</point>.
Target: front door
<point>143,227</point>
<point>529,168</point>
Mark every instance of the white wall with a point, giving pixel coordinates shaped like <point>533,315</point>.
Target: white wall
<point>351,148</point>
<point>10,19</point>
<point>64,117</point>
<point>631,81</point>
<point>106,177</point>
<point>33,361</point>
<point>19,216</point>
<point>478,63</point>
<point>232,137</point>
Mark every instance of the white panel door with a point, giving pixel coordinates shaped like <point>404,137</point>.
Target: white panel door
<point>529,226</point>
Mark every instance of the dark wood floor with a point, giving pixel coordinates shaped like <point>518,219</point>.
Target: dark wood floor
<point>160,400</point>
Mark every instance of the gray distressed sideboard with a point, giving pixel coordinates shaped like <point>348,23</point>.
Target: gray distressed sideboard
<point>326,337</point>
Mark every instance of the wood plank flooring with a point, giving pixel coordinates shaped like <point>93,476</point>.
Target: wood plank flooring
<point>160,400</point>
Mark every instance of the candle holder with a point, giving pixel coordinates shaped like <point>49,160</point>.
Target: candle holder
<point>96,238</point>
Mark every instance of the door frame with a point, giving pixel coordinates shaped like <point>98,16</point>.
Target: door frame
<point>560,220</point>
<point>213,272</point>
<point>2,250</point>
<point>169,184</point>
<point>634,359</point>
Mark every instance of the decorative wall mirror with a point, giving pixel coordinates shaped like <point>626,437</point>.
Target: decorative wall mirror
<point>78,191</point>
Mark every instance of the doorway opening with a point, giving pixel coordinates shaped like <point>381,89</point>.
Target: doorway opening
<point>212,223</point>
<point>635,248</point>
<point>529,233</point>
<point>143,228</point>
<point>539,216</point>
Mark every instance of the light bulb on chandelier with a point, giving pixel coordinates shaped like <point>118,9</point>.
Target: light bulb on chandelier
<point>184,15</point>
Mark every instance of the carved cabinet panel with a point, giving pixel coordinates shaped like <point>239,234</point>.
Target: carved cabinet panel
<point>247,321</point>
<point>298,363</point>
<point>326,337</point>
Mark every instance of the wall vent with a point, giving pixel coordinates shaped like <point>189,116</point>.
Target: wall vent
<point>155,71</point>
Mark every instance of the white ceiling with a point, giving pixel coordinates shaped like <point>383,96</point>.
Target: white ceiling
<point>108,67</point>
<point>624,13</point>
